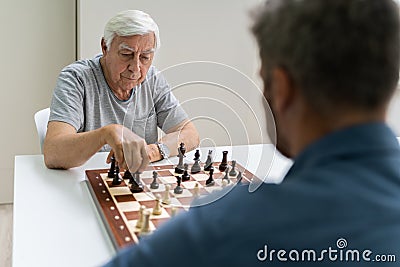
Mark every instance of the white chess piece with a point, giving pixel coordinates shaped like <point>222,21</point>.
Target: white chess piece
<point>157,208</point>
<point>139,222</point>
<point>196,190</point>
<point>166,199</point>
<point>145,230</point>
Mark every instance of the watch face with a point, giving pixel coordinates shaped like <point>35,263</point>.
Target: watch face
<point>164,150</point>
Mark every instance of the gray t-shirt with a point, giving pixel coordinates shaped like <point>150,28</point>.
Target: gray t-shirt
<point>83,99</point>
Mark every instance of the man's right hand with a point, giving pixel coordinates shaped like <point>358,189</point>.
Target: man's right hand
<point>128,148</point>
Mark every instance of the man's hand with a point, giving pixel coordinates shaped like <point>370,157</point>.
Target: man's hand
<point>128,148</point>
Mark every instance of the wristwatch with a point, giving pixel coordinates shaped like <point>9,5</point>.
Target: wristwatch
<point>164,150</point>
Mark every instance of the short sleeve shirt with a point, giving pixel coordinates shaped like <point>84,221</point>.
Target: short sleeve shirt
<point>83,99</point>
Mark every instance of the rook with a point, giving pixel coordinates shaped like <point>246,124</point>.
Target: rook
<point>224,163</point>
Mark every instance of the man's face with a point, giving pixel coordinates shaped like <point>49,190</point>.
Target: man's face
<point>128,60</point>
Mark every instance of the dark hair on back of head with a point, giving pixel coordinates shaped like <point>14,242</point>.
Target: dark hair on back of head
<point>342,54</point>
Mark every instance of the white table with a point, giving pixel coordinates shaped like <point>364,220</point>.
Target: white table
<point>56,223</point>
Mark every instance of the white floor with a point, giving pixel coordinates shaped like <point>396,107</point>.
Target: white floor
<point>6,222</point>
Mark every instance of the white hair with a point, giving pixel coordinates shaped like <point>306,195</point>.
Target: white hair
<point>128,23</point>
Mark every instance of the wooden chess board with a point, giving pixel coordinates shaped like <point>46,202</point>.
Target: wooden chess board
<point>119,208</point>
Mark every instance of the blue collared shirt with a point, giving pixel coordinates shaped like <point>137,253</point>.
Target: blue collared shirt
<point>339,202</point>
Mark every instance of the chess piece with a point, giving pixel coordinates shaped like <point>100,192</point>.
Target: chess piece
<point>226,177</point>
<point>116,180</point>
<point>208,164</point>
<point>139,222</point>
<point>224,182</point>
<point>196,167</point>
<point>154,184</point>
<point>166,198</point>
<point>111,172</point>
<point>224,163</point>
<point>233,170</point>
<point>128,175</point>
<point>197,155</point>
<point>181,154</point>
<point>157,210</point>
<point>145,230</point>
<point>239,178</point>
<point>185,175</point>
<point>137,185</point>
<point>173,211</point>
<point>196,190</point>
<point>178,189</point>
<point>210,181</point>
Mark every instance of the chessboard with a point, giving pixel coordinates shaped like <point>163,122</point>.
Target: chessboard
<point>120,209</point>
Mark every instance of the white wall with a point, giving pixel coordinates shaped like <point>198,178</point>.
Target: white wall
<point>224,103</point>
<point>38,39</point>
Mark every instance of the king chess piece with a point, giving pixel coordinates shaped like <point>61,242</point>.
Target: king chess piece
<point>181,154</point>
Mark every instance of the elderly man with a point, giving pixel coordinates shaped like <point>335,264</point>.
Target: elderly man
<point>116,101</point>
<point>329,69</point>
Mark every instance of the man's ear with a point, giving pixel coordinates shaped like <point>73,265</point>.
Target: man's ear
<point>282,90</point>
<point>103,46</point>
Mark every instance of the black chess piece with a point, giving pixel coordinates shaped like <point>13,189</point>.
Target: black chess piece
<point>210,181</point>
<point>185,175</point>
<point>239,178</point>
<point>181,154</point>
<point>197,155</point>
<point>111,172</point>
<point>154,184</point>
<point>116,180</point>
<point>196,168</point>
<point>224,163</point>
<point>226,177</point>
<point>178,189</point>
<point>128,175</point>
<point>233,170</point>
<point>208,164</point>
<point>136,186</point>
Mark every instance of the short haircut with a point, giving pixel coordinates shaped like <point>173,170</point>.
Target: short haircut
<point>341,54</point>
<point>129,23</point>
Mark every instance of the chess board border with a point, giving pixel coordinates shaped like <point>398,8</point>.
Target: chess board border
<point>116,228</point>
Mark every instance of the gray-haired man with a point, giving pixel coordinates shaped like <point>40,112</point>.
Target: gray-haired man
<point>116,102</point>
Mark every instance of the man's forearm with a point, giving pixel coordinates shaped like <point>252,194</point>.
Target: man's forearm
<point>71,150</point>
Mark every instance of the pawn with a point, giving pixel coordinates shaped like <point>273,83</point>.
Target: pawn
<point>185,175</point>
<point>210,181</point>
<point>196,167</point>
<point>139,222</point>
<point>145,230</point>
<point>224,182</point>
<point>116,180</point>
<point>178,189</point>
<point>226,177</point>
<point>154,184</point>
<point>196,190</point>
<point>166,198</point>
<point>233,170</point>
<point>157,208</point>
<point>173,211</point>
